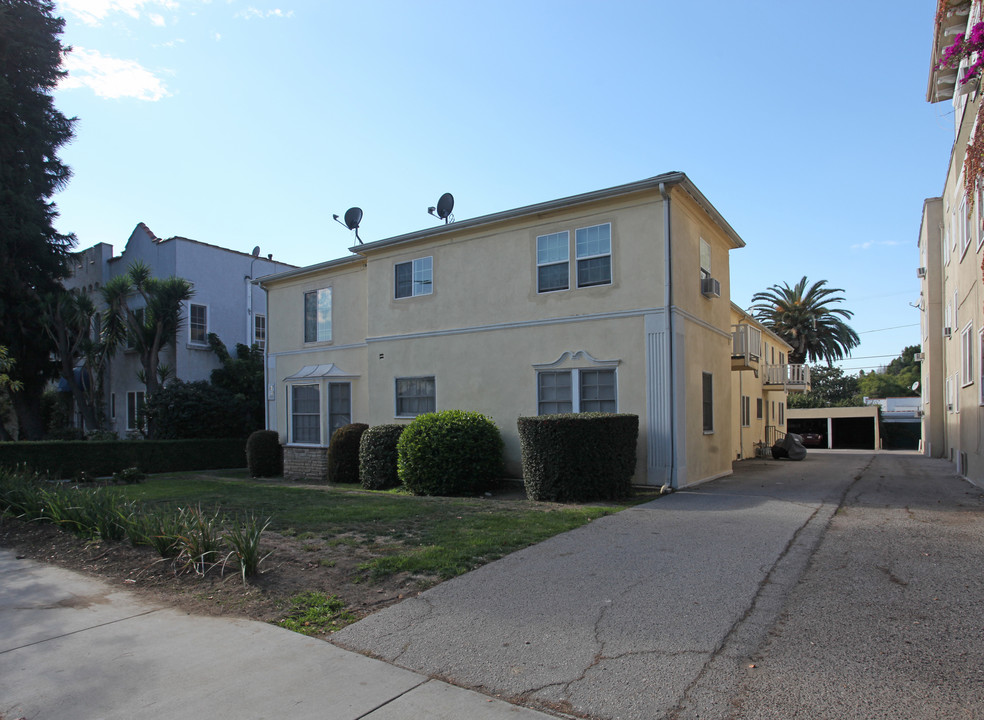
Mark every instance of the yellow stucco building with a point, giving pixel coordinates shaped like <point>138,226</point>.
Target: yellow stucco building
<point>614,300</point>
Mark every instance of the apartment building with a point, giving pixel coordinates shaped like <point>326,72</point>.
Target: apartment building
<point>613,300</point>
<point>225,302</point>
<point>951,239</point>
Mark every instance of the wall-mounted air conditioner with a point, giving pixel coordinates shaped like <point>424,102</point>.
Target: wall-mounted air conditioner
<point>919,357</point>
<point>921,272</point>
<point>709,287</point>
<point>946,332</point>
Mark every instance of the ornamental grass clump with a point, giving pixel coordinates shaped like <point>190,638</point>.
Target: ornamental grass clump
<point>200,540</point>
<point>452,452</point>
<point>244,539</point>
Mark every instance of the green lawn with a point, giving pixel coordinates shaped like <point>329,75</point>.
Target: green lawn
<point>436,536</point>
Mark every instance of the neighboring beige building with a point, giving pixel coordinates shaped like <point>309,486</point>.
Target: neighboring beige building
<point>761,380</point>
<point>950,251</point>
<point>614,300</point>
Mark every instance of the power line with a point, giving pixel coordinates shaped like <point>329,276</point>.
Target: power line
<point>896,327</point>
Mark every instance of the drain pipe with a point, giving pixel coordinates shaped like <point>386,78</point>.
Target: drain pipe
<point>668,304</point>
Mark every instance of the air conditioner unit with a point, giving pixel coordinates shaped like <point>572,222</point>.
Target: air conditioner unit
<point>946,332</point>
<point>919,357</point>
<point>709,287</point>
<point>921,272</point>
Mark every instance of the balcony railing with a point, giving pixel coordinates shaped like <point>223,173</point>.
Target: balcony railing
<point>746,347</point>
<point>791,377</point>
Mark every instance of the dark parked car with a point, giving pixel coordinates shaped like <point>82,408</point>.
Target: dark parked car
<point>812,439</point>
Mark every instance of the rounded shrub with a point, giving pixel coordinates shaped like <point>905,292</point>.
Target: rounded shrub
<point>343,453</point>
<point>264,454</point>
<point>452,452</point>
<point>377,457</point>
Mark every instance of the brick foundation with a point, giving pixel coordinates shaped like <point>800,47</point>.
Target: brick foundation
<point>306,463</point>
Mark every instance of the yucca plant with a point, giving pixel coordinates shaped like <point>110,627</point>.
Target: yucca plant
<point>244,539</point>
<point>200,541</point>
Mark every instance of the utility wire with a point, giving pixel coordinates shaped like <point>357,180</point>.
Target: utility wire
<point>896,327</point>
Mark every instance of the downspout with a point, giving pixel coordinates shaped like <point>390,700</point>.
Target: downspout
<point>668,303</point>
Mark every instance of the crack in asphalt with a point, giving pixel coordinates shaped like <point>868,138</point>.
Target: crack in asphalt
<point>730,647</point>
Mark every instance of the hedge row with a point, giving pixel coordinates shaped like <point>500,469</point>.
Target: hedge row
<point>63,459</point>
<point>578,457</point>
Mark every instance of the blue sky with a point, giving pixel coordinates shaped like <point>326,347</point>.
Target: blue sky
<point>242,123</point>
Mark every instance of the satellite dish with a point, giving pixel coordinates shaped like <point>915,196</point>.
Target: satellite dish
<point>915,386</point>
<point>353,216</point>
<point>444,207</point>
<point>256,251</point>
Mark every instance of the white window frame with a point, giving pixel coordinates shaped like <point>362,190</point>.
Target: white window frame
<point>548,262</point>
<point>291,439</point>
<point>577,401</point>
<point>319,294</point>
<point>705,259</point>
<point>979,225</point>
<point>956,309</point>
<point>948,317</point>
<point>421,277</point>
<point>965,228</point>
<point>331,411</point>
<point>259,341</point>
<point>133,409</point>
<point>396,395</point>
<point>946,241</point>
<point>746,411</point>
<point>967,355</point>
<point>578,258</point>
<point>191,324</point>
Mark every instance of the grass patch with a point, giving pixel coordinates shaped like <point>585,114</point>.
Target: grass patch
<point>314,613</point>
<point>431,536</point>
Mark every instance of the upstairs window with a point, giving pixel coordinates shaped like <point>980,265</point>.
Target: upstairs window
<point>967,355</point>
<point>317,315</point>
<point>259,331</point>
<point>415,277</point>
<point>705,259</point>
<point>553,262</point>
<point>593,246</point>
<point>198,324</point>
<point>131,338</point>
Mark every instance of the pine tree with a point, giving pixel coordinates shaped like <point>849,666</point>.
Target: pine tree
<point>33,255</point>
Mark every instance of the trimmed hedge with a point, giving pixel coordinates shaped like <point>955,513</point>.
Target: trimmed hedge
<point>264,456</point>
<point>578,457</point>
<point>65,459</point>
<point>452,452</point>
<point>343,453</point>
<point>378,456</point>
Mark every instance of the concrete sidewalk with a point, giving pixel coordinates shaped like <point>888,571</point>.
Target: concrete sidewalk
<point>73,648</point>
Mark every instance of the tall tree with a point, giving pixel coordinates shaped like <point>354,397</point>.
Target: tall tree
<point>71,321</point>
<point>804,318</point>
<point>32,253</point>
<point>149,324</point>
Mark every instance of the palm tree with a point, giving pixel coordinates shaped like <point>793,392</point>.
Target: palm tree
<point>803,318</point>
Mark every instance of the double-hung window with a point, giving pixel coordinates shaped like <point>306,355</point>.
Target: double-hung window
<point>593,248</point>
<point>415,277</point>
<point>758,408</point>
<point>966,228</point>
<point>317,315</point>
<point>198,324</point>
<point>705,259</point>
<point>746,411</point>
<point>339,406</point>
<point>305,414</point>
<point>259,331</point>
<point>553,262</point>
<point>577,390</point>
<point>134,404</point>
<point>415,396</point>
<point>967,355</point>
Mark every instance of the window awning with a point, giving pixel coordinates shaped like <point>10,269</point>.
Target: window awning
<point>331,371</point>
